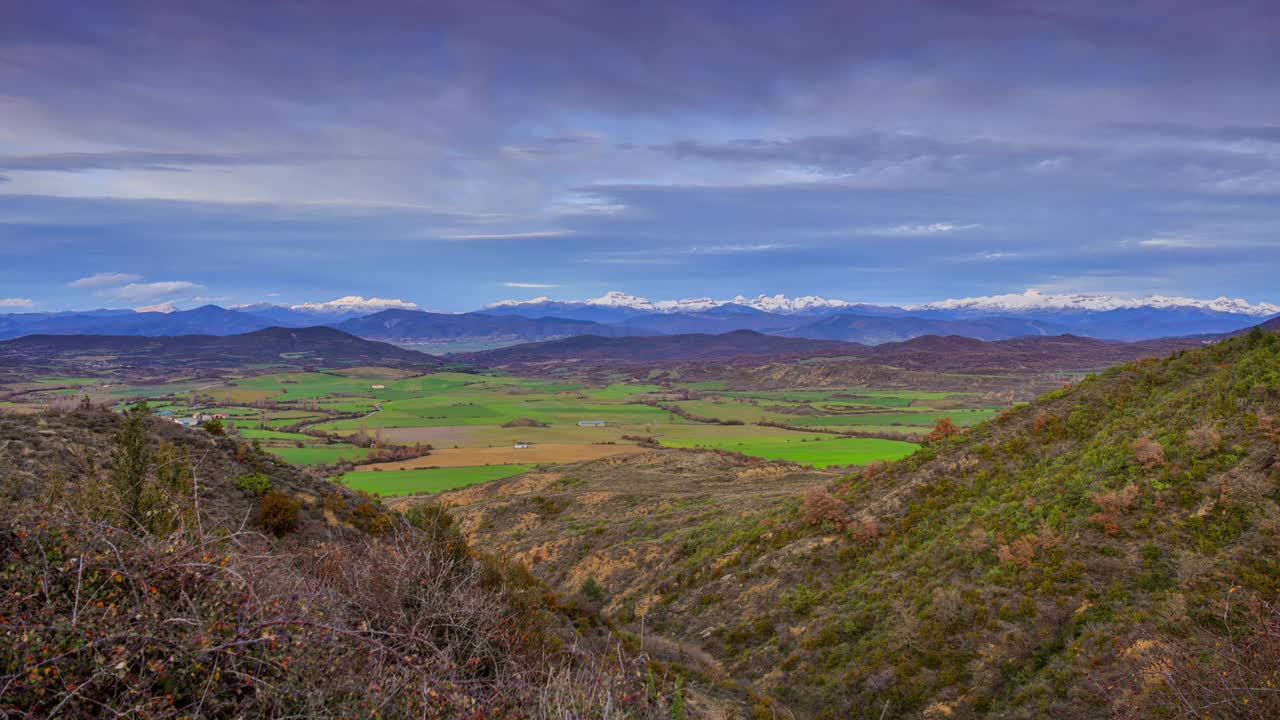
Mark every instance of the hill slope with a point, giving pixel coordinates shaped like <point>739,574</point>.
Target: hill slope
<point>162,584</point>
<point>414,326</point>
<point>665,348</point>
<point>1075,558</point>
<point>874,330</point>
<point>316,347</point>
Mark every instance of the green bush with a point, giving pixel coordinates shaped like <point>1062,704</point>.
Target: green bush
<point>592,589</point>
<point>253,484</point>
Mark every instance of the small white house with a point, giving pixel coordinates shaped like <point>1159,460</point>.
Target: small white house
<point>520,445</point>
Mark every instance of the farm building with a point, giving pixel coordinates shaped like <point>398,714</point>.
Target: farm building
<point>520,445</point>
<point>590,423</point>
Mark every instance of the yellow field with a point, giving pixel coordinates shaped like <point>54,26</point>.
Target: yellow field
<point>465,457</point>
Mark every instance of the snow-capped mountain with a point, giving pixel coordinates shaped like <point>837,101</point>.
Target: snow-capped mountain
<point>355,304</point>
<point>319,313</point>
<point>1011,304</point>
<point>1034,300</point>
<point>780,304</point>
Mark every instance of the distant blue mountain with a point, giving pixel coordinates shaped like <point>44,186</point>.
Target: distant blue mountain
<point>206,320</point>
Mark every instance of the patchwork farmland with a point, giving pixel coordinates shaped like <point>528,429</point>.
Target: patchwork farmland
<point>391,432</point>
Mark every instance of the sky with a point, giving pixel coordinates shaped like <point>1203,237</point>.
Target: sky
<point>453,154</point>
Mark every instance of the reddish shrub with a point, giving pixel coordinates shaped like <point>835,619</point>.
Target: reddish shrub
<point>278,513</point>
<point>942,429</point>
<point>1204,439</point>
<point>1149,453</point>
<point>820,506</point>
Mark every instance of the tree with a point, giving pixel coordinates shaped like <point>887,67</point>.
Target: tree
<point>942,429</point>
<point>130,461</point>
<point>592,589</point>
<point>215,427</point>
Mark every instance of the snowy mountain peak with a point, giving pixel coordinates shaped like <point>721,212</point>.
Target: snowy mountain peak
<point>1010,304</point>
<point>618,299</point>
<point>158,308</point>
<point>782,304</point>
<point>355,304</point>
<point>1032,300</point>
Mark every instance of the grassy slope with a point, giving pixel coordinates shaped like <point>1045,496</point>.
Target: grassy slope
<point>337,616</point>
<point>999,582</point>
<point>1027,568</point>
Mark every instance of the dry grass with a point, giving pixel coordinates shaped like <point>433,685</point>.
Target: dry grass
<point>550,453</point>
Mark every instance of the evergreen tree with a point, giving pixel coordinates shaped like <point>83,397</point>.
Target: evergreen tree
<point>130,461</point>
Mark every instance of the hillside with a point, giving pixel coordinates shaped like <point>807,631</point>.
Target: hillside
<point>1057,353</point>
<point>874,330</point>
<point>316,347</point>
<point>1084,556</point>
<point>414,326</point>
<point>661,349</point>
<point>158,572</point>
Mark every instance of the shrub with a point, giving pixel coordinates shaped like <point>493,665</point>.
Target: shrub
<point>820,507</point>
<point>1119,502</point>
<point>1149,453</point>
<point>278,513</point>
<point>865,530</point>
<point>592,589</point>
<point>253,484</point>
<point>942,429</point>
<point>1204,439</point>
<point>215,427</point>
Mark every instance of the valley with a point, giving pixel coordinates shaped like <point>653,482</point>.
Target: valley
<point>931,528</point>
<point>473,422</point>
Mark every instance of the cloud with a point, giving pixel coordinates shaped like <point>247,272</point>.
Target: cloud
<point>1223,133</point>
<point>128,160</point>
<point>924,230</point>
<point>104,279</point>
<point>145,292</point>
<point>529,285</point>
<point>731,249</point>
<point>160,308</point>
<point>510,236</point>
<point>17,303</point>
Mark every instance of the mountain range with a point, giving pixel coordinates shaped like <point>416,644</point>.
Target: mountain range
<point>297,348</point>
<point>618,314</point>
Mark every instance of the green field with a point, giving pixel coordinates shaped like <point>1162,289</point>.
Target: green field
<point>816,450</point>
<point>407,482</point>
<point>469,411</point>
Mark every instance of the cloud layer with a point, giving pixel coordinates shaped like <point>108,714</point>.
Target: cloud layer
<point>886,151</point>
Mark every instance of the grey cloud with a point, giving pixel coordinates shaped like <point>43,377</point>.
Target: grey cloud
<point>129,160</point>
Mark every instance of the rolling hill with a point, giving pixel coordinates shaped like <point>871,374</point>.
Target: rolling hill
<point>875,330</point>
<point>1106,551</point>
<point>1052,353</point>
<point>220,582</point>
<point>592,349</point>
<point>414,326</point>
<point>316,347</point>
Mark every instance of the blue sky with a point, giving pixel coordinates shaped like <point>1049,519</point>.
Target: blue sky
<point>445,152</point>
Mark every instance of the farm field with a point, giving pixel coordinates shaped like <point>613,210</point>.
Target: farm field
<point>473,421</point>
<point>820,451</point>
<point>426,480</point>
